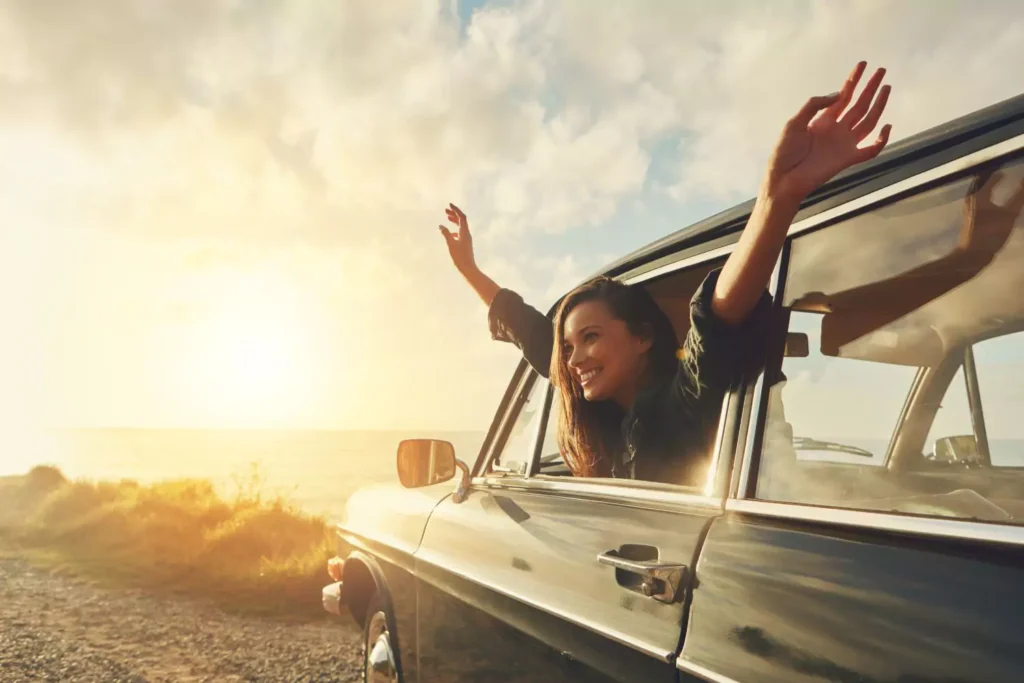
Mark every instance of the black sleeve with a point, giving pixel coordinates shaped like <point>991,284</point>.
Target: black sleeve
<point>715,351</point>
<point>512,320</point>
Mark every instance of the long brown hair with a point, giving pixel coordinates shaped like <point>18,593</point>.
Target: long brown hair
<point>589,433</point>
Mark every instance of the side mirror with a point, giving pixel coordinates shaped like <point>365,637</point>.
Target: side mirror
<point>961,448</point>
<point>425,462</point>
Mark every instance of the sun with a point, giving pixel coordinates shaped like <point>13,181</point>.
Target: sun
<point>256,368</point>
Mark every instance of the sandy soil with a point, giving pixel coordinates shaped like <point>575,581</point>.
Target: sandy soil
<point>60,628</point>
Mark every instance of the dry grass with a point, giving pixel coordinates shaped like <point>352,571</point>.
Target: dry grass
<point>247,553</point>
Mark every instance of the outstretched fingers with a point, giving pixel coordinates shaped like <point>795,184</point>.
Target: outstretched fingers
<point>456,216</point>
<point>853,116</point>
<point>868,123</point>
<point>871,151</point>
<point>846,92</point>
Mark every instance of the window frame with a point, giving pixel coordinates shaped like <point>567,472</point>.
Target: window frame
<point>741,499</point>
<point>523,382</point>
<point>625,491</point>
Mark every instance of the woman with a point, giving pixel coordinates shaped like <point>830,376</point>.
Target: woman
<point>631,406</point>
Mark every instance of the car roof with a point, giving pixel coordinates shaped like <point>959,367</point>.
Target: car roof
<point>908,157</point>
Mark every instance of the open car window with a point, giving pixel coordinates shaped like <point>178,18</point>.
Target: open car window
<point>673,293</point>
<point>522,424</point>
<point>909,311</point>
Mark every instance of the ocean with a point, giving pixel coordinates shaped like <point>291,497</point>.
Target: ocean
<point>316,470</point>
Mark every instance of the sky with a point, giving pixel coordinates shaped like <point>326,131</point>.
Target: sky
<point>219,213</point>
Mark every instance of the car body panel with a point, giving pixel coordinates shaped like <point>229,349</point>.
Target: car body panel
<point>382,530</point>
<point>514,559</point>
<point>784,601</point>
<point>407,512</point>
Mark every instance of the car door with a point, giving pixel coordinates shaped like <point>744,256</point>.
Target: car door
<point>537,575</point>
<point>879,537</point>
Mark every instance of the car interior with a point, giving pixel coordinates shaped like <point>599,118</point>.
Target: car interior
<point>931,318</point>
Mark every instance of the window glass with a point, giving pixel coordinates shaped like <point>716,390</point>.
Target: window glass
<point>551,461</point>
<point>999,372</point>
<point>518,449</point>
<point>999,363</point>
<point>889,301</point>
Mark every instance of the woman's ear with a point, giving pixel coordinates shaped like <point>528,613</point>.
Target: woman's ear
<point>646,337</point>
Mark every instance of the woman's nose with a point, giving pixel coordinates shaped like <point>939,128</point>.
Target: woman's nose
<point>576,358</point>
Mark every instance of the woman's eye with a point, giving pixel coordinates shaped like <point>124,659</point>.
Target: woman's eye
<point>589,337</point>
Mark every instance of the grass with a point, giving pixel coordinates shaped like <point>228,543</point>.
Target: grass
<point>247,553</point>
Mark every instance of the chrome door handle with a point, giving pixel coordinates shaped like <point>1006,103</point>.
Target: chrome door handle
<point>661,580</point>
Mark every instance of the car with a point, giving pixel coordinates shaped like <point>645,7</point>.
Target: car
<point>862,517</point>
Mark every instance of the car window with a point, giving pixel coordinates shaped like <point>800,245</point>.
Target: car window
<point>890,301</point>
<point>673,293</point>
<point>551,461</point>
<point>517,451</point>
<point>998,370</point>
<point>822,424</point>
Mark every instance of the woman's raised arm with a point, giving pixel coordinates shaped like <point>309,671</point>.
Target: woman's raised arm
<point>509,318</point>
<point>818,142</point>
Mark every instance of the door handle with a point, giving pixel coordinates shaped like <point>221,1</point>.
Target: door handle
<point>662,580</point>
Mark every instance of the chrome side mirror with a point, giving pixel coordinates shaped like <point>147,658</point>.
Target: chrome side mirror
<point>425,462</point>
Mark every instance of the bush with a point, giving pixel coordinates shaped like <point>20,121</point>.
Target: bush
<point>44,478</point>
<point>249,553</point>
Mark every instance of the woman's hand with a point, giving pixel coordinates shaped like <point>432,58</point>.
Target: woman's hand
<point>460,243</point>
<point>460,248</point>
<point>813,149</point>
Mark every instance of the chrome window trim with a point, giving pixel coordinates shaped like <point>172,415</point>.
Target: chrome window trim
<point>869,200</point>
<point>672,267</point>
<point>686,666</point>
<point>612,634</point>
<point>936,527</point>
<point>611,492</point>
<point>949,168</point>
<point>748,454</point>
<point>716,453</point>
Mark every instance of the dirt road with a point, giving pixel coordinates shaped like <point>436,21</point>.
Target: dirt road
<point>58,628</point>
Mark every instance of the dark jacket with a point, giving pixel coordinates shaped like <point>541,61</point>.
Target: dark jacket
<point>669,432</point>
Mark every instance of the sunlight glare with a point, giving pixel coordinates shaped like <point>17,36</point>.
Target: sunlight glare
<point>256,366</point>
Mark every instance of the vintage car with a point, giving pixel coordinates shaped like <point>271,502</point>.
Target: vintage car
<point>863,508</point>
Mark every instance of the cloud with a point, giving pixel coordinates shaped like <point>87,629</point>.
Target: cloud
<point>177,142</point>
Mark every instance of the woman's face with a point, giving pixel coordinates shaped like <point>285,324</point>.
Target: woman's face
<point>604,357</point>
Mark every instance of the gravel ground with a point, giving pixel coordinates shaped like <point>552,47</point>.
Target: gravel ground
<point>58,628</point>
